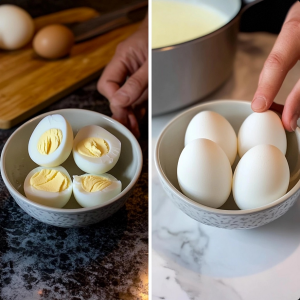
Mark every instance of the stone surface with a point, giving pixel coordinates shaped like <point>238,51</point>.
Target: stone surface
<point>108,260</point>
<point>193,261</point>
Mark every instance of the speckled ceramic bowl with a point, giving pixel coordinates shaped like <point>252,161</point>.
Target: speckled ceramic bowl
<point>16,164</point>
<point>170,145</point>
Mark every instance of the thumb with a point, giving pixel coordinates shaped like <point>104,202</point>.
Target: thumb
<point>133,88</point>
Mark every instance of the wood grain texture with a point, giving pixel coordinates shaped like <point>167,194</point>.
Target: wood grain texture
<point>29,83</point>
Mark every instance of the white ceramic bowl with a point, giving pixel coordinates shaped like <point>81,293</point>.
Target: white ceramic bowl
<point>170,145</point>
<point>16,164</point>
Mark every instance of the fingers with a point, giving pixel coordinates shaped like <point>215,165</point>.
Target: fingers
<point>142,99</point>
<point>120,114</point>
<point>282,58</point>
<point>134,125</point>
<point>125,95</point>
<point>114,75</point>
<point>133,88</point>
<point>127,117</point>
<point>291,112</point>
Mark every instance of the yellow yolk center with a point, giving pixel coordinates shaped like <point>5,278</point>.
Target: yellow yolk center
<point>93,147</point>
<point>50,181</point>
<point>49,141</point>
<point>93,183</point>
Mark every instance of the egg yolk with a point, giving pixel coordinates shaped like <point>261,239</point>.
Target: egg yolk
<point>93,183</point>
<point>93,147</point>
<point>50,181</point>
<point>49,141</point>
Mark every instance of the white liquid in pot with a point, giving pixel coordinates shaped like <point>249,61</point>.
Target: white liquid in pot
<point>177,22</point>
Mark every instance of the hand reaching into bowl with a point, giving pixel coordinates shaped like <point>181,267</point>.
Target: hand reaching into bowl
<point>284,55</point>
<point>124,81</point>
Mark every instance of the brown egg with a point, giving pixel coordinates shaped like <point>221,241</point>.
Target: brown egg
<point>53,41</point>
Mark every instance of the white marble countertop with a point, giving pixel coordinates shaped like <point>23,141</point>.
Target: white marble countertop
<point>194,261</point>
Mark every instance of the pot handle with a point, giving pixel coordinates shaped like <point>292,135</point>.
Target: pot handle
<point>248,3</point>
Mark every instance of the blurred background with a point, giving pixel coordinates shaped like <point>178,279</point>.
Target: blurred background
<point>108,260</point>
<point>38,8</point>
<point>267,15</point>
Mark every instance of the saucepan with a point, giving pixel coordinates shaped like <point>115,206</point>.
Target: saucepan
<point>187,72</point>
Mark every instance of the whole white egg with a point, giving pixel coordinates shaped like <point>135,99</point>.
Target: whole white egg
<point>41,194</point>
<point>211,125</point>
<point>51,141</point>
<point>261,177</point>
<point>16,27</point>
<point>95,150</point>
<point>87,197</point>
<point>261,128</point>
<point>204,173</point>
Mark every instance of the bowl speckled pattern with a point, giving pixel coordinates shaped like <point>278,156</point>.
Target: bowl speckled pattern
<point>170,145</point>
<point>16,164</point>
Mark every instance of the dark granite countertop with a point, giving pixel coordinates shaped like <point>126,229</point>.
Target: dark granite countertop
<point>103,261</point>
<point>108,260</point>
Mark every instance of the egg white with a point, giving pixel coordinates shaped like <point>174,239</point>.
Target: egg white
<point>57,199</point>
<point>261,177</point>
<point>97,165</point>
<point>86,199</point>
<point>204,173</point>
<point>213,126</point>
<point>62,152</point>
<point>261,128</point>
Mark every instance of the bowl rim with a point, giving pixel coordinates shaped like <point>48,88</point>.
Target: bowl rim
<point>135,178</point>
<point>195,204</point>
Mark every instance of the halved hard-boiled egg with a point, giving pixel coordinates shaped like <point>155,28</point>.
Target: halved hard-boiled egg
<point>95,150</point>
<point>90,189</point>
<point>48,186</point>
<point>51,141</point>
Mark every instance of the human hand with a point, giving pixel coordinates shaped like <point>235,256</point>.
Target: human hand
<point>124,81</point>
<point>284,55</point>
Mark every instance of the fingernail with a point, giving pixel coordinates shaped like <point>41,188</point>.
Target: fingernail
<point>294,122</point>
<point>259,103</point>
<point>121,98</point>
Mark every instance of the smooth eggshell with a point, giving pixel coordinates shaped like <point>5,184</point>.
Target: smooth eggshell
<point>204,173</point>
<point>210,125</point>
<point>53,41</point>
<point>16,27</point>
<point>261,177</point>
<point>261,128</point>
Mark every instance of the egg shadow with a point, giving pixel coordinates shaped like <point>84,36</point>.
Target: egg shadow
<point>72,168</point>
<point>36,56</point>
<point>126,160</point>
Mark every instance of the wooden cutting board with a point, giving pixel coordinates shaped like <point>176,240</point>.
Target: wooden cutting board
<point>29,83</point>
